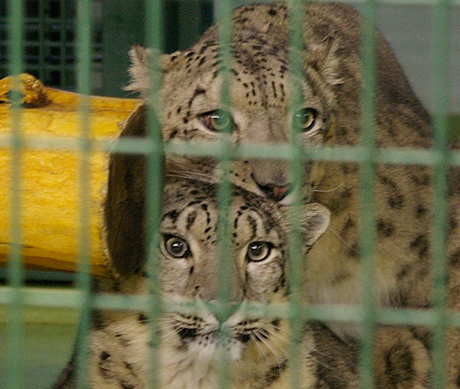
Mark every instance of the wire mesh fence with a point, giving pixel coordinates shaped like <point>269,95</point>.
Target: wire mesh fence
<point>16,297</point>
<point>49,42</point>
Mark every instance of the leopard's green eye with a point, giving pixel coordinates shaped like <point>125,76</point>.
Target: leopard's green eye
<point>218,121</point>
<point>258,251</point>
<point>176,247</point>
<point>305,119</point>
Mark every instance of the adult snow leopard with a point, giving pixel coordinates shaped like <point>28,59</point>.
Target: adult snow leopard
<point>330,114</point>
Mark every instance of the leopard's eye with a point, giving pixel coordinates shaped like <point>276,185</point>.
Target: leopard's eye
<point>175,246</point>
<point>258,251</point>
<point>218,121</point>
<point>305,119</point>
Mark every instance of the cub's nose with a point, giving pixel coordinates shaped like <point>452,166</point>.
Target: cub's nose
<point>275,192</point>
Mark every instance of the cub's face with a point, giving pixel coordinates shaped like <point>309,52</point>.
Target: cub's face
<point>257,272</point>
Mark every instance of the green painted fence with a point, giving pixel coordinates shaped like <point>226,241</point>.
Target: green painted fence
<point>16,299</point>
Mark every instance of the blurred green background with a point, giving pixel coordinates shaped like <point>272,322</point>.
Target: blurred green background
<point>48,340</point>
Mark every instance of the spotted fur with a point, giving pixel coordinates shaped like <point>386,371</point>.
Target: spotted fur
<point>258,346</point>
<point>330,82</point>
<point>260,87</point>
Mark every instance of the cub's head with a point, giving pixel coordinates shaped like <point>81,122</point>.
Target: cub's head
<point>258,270</point>
<point>258,231</point>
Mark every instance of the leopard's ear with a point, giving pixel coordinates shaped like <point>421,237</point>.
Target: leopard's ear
<point>124,207</point>
<point>315,222</point>
<point>323,57</point>
<point>140,70</point>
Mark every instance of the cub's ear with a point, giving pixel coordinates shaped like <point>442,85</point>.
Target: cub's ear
<point>124,208</point>
<point>140,71</point>
<point>315,222</point>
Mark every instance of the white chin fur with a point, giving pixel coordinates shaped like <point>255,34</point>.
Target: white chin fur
<point>289,199</point>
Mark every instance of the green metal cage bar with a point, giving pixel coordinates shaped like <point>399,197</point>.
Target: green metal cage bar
<point>15,328</point>
<point>223,11</point>
<point>84,89</point>
<point>295,260</point>
<point>440,185</point>
<point>368,176</point>
<point>401,156</point>
<point>154,186</point>
<point>16,296</point>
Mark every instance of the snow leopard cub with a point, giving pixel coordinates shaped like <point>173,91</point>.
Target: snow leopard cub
<point>188,272</point>
<point>258,346</point>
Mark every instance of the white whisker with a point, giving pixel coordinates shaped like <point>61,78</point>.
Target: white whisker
<point>255,340</point>
<point>272,351</point>
<point>337,235</point>
<point>330,190</point>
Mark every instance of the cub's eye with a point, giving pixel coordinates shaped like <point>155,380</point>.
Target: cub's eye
<point>305,119</point>
<point>176,247</point>
<point>258,251</point>
<point>218,120</point>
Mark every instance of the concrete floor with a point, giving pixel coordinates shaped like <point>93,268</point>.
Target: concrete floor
<point>47,343</point>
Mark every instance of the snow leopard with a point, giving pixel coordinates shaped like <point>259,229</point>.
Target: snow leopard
<point>194,331</point>
<point>261,83</point>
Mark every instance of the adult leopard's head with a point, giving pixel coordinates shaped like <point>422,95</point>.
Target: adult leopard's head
<point>261,87</point>
<point>261,84</point>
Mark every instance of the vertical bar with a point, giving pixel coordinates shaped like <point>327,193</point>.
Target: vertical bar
<point>439,235</point>
<point>84,266</point>
<point>189,23</point>
<point>223,12</point>
<point>41,41</point>
<point>15,273</point>
<point>367,225</point>
<point>154,189</point>
<point>296,264</point>
<point>63,44</point>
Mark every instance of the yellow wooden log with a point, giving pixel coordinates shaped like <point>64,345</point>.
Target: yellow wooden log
<point>50,194</point>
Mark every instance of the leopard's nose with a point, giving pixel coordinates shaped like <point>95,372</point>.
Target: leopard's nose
<point>271,177</point>
<point>275,192</point>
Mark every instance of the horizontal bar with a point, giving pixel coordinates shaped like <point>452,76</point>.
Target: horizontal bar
<point>380,2</point>
<point>43,297</point>
<point>396,2</point>
<point>402,156</point>
<point>58,298</point>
